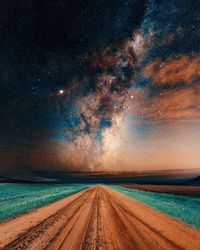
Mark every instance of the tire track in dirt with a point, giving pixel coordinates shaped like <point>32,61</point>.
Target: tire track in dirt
<point>45,231</point>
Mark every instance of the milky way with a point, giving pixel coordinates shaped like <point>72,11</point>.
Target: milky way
<point>131,103</point>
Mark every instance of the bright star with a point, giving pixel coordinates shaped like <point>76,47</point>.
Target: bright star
<point>61,91</point>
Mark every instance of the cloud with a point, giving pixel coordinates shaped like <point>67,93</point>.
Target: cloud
<point>174,104</point>
<point>172,71</point>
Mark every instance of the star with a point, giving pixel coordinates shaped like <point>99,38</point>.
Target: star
<point>61,92</point>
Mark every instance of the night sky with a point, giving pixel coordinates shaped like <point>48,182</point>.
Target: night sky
<point>99,85</point>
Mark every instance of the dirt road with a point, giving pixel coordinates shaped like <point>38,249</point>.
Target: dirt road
<point>97,218</point>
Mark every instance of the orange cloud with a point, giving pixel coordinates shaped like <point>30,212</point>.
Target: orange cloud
<point>174,104</point>
<point>172,71</point>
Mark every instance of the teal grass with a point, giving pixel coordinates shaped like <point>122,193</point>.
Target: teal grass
<point>186,209</point>
<point>16,199</point>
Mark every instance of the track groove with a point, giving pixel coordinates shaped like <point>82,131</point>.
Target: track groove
<point>24,240</point>
<point>136,224</point>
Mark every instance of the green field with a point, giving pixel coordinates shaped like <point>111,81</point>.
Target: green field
<point>179,207</point>
<point>16,199</point>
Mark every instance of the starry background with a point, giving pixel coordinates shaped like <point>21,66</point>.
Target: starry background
<point>99,85</point>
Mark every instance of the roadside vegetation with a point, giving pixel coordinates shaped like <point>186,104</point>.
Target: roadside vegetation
<point>16,199</point>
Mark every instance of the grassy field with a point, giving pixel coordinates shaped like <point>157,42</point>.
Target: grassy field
<point>16,199</point>
<point>192,191</point>
<point>179,207</point>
